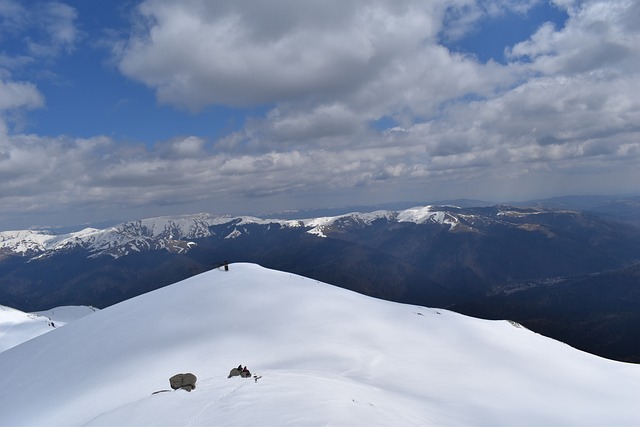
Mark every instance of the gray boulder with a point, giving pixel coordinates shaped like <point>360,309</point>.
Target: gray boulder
<point>184,381</point>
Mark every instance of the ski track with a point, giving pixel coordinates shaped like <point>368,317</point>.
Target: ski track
<point>216,402</point>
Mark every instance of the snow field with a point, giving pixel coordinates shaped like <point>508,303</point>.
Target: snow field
<point>328,356</point>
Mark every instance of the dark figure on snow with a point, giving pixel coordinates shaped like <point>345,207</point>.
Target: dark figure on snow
<point>245,373</point>
<point>240,371</point>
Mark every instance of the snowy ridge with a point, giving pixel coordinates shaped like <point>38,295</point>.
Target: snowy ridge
<point>319,226</point>
<point>170,233</point>
<point>62,315</point>
<point>22,241</point>
<point>173,233</point>
<point>241,221</point>
<point>176,233</point>
<point>426,214</point>
<point>244,220</point>
<point>17,326</point>
<point>154,233</point>
<point>327,356</point>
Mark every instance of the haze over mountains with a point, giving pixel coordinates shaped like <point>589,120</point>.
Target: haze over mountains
<point>325,355</point>
<point>568,274</point>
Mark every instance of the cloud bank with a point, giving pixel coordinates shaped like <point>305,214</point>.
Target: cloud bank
<point>363,100</point>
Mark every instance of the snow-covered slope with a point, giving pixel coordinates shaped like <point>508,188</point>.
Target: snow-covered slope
<point>17,326</point>
<point>60,316</point>
<point>327,356</point>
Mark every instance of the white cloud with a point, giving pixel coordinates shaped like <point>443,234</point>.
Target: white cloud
<point>56,22</point>
<point>245,53</point>
<point>19,95</point>
<point>566,103</point>
<point>599,37</point>
<point>44,28</point>
<point>39,32</point>
<point>328,70</point>
<point>462,17</point>
<point>323,121</point>
<point>183,148</point>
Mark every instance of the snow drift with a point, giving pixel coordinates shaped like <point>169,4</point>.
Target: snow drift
<point>327,356</point>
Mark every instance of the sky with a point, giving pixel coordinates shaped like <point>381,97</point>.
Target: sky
<point>335,357</point>
<point>131,109</point>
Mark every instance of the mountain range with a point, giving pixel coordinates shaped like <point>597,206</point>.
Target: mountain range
<point>320,355</point>
<point>571,275</point>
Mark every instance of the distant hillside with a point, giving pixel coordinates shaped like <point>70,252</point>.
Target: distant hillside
<point>596,312</point>
<point>623,209</point>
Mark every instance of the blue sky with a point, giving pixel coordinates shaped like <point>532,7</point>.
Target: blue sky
<point>89,96</point>
<point>121,110</point>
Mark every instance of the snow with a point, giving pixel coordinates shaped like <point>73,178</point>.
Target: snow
<point>318,226</point>
<point>22,241</point>
<point>234,234</point>
<point>160,232</point>
<point>420,215</point>
<point>67,313</point>
<point>17,326</point>
<point>327,356</point>
<point>163,232</point>
<point>244,220</point>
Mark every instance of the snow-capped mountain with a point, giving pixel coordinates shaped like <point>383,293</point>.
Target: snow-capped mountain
<point>177,234</point>
<point>326,356</point>
<point>167,233</point>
